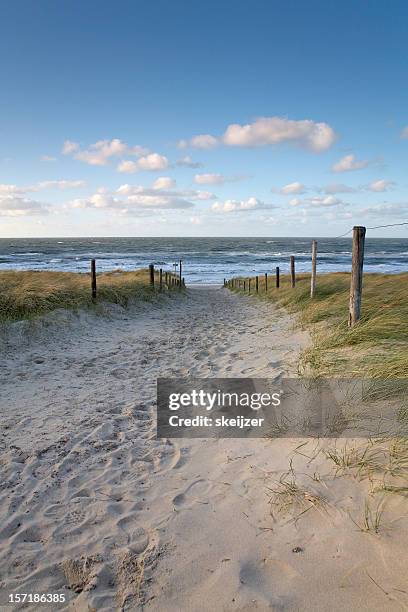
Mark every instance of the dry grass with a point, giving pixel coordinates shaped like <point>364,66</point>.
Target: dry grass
<point>287,495</point>
<point>377,347</point>
<point>27,294</point>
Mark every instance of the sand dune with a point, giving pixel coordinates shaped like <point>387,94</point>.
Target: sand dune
<point>92,505</point>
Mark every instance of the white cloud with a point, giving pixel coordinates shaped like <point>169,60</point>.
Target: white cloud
<point>69,147</point>
<point>202,141</point>
<point>164,182</point>
<point>349,163</point>
<point>337,188</point>
<point>210,179</point>
<point>48,158</point>
<point>404,133</point>
<point>188,162</point>
<point>274,130</point>
<point>295,202</point>
<point>192,194</point>
<point>99,153</point>
<point>380,185</point>
<point>229,206</point>
<point>127,167</point>
<point>16,206</point>
<point>196,220</point>
<point>293,188</point>
<point>329,200</point>
<point>151,162</point>
<point>202,195</point>
<point>317,201</point>
<point>316,136</point>
<point>131,201</point>
<point>386,210</point>
<point>7,189</point>
<point>154,161</point>
<point>61,184</point>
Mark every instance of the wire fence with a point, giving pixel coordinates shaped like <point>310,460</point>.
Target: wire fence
<point>356,280</point>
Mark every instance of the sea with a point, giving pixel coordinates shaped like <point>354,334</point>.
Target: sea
<point>205,260</point>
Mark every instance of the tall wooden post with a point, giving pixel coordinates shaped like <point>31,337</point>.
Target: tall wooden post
<point>292,271</point>
<point>249,285</point>
<point>356,284</point>
<point>180,277</point>
<point>266,282</point>
<point>277,277</point>
<point>313,279</point>
<point>93,278</point>
<point>161,279</point>
<point>244,285</point>
<point>256,284</point>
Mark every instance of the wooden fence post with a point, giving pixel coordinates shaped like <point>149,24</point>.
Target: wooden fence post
<point>356,284</point>
<point>292,271</point>
<point>277,277</point>
<point>249,285</point>
<point>180,276</point>
<point>266,282</point>
<point>313,279</point>
<point>161,279</point>
<point>256,284</point>
<point>93,278</point>
<point>244,285</point>
<point>183,282</point>
<point>151,271</point>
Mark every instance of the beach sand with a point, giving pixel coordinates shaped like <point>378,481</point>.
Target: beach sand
<point>92,501</point>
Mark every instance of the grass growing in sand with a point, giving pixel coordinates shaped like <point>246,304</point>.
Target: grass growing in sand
<point>376,348</point>
<point>28,294</point>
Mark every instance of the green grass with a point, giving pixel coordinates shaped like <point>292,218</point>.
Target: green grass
<point>28,294</point>
<point>376,347</point>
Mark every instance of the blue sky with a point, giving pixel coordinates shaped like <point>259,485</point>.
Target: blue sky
<point>202,118</point>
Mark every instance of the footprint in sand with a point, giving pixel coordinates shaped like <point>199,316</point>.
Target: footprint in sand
<point>196,492</point>
<point>272,578</point>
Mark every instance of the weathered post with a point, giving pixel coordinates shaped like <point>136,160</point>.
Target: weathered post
<point>266,282</point>
<point>256,284</point>
<point>292,271</point>
<point>151,271</point>
<point>244,284</point>
<point>93,278</point>
<point>180,276</point>
<point>224,282</point>
<point>356,284</point>
<point>249,285</point>
<point>313,279</point>
<point>277,277</point>
<point>184,282</point>
<point>161,279</point>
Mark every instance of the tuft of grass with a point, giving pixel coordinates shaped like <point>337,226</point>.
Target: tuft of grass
<point>25,294</point>
<point>287,495</point>
<point>372,517</point>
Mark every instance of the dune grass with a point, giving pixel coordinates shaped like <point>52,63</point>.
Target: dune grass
<point>376,347</point>
<point>25,294</point>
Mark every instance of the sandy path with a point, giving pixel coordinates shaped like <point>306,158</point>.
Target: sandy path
<point>159,525</point>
